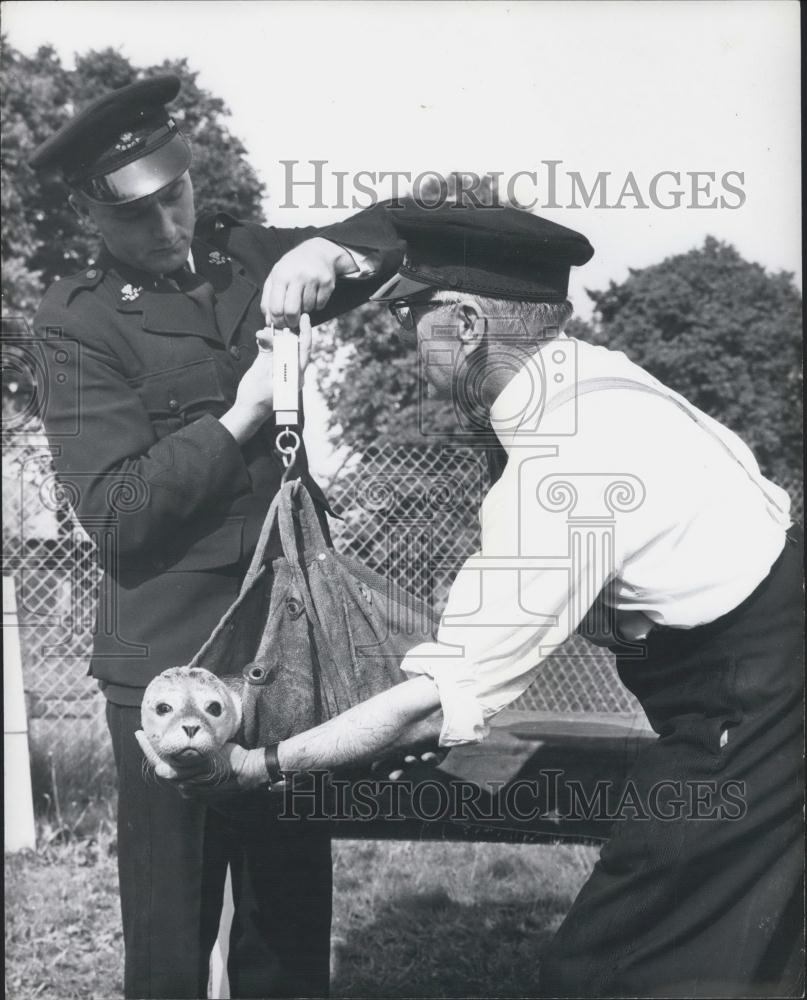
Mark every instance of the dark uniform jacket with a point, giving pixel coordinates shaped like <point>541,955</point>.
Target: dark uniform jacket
<point>138,373</point>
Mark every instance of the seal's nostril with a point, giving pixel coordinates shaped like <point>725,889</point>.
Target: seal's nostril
<point>191,731</point>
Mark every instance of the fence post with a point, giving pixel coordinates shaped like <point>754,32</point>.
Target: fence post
<point>218,984</point>
<point>20,832</point>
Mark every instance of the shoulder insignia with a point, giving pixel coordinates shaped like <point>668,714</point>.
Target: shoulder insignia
<point>217,258</point>
<point>210,223</point>
<point>63,289</point>
<point>130,292</point>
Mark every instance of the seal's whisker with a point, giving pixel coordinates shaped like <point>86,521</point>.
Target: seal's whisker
<point>148,772</point>
<point>219,772</point>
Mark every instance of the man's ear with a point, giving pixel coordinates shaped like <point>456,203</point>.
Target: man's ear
<point>472,326</point>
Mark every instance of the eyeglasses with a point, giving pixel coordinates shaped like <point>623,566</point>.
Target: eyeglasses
<point>403,310</point>
<point>403,314</point>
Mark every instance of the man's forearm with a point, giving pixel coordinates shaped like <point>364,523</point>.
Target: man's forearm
<point>400,718</point>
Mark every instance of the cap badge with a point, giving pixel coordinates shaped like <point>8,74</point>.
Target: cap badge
<point>217,258</point>
<point>129,293</point>
<point>127,141</point>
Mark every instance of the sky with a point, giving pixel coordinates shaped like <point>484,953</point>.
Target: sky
<point>629,89</point>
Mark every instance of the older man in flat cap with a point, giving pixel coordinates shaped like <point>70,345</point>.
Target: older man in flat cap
<point>623,509</point>
<point>159,412</point>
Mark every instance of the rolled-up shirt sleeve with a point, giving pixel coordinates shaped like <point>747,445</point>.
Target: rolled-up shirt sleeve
<point>506,612</point>
<point>463,718</point>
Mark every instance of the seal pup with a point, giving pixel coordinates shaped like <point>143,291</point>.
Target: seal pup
<point>188,713</point>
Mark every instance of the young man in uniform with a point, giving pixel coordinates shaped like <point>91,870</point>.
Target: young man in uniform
<point>699,571</point>
<point>158,411</point>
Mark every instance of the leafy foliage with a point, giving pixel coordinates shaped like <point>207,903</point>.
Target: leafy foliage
<point>372,384</point>
<point>371,381</point>
<point>708,323</point>
<point>723,332</point>
<point>41,237</point>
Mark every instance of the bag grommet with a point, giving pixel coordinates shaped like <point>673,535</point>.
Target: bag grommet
<point>294,607</point>
<point>254,674</point>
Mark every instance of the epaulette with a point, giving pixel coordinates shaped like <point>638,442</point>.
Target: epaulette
<point>63,289</point>
<point>210,223</point>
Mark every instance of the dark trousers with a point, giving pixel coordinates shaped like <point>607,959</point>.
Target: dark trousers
<point>172,860</point>
<point>707,902</point>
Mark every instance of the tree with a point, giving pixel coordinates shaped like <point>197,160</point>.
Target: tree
<point>715,327</point>
<point>372,385</point>
<point>723,332</point>
<point>33,95</point>
<point>371,378</point>
<point>42,239</point>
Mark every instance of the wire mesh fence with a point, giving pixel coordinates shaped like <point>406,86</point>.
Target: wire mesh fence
<point>409,513</point>
<point>412,514</point>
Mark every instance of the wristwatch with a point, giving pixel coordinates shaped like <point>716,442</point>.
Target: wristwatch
<point>273,764</point>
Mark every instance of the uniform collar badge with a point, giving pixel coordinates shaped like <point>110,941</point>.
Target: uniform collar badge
<point>217,258</point>
<point>129,293</point>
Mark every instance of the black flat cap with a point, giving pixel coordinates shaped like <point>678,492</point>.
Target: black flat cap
<point>121,147</point>
<point>497,251</point>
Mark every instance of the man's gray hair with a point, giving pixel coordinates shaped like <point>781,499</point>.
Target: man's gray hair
<point>544,316</point>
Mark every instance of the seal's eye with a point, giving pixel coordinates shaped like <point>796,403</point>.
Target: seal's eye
<point>163,708</point>
<point>214,708</point>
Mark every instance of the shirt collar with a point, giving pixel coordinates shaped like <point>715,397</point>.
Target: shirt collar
<point>515,414</point>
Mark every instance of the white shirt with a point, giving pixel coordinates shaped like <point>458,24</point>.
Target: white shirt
<point>635,494</point>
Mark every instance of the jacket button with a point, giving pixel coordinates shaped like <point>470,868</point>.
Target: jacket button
<point>92,273</point>
<point>235,351</point>
<point>173,404</point>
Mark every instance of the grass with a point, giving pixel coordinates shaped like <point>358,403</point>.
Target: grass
<point>410,919</point>
<point>448,919</point>
<point>72,775</point>
<point>63,936</point>
<point>431,919</point>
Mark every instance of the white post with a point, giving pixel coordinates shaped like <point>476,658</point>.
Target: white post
<point>20,832</point>
<point>218,987</point>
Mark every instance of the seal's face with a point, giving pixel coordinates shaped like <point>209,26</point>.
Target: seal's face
<point>188,713</point>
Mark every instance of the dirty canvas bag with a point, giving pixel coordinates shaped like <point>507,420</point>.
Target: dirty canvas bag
<point>311,633</point>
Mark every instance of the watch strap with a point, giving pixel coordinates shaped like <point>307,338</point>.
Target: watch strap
<point>272,763</point>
